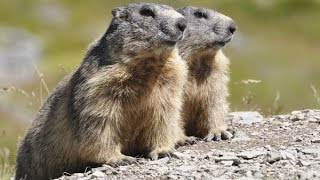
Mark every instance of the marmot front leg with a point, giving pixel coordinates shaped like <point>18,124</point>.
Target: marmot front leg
<point>218,127</point>
<point>219,135</point>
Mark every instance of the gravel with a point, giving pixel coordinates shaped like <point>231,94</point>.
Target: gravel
<point>279,147</point>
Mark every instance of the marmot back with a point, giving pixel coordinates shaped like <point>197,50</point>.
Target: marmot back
<point>205,97</point>
<point>124,99</point>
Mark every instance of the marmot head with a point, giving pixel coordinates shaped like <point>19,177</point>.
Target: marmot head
<point>206,30</point>
<point>144,27</point>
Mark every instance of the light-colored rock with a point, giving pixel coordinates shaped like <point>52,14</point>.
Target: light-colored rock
<point>98,174</point>
<point>245,117</point>
<point>312,151</point>
<point>273,157</point>
<point>316,140</point>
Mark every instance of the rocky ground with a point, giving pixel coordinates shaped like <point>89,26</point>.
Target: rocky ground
<point>278,147</point>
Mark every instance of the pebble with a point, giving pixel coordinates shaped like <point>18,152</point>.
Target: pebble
<point>226,163</point>
<point>241,136</point>
<point>98,174</point>
<point>273,157</point>
<point>306,163</point>
<point>314,152</point>
<point>287,155</point>
<point>183,155</point>
<point>309,175</point>
<point>160,161</point>
<point>251,154</point>
<point>234,159</point>
<point>315,140</point>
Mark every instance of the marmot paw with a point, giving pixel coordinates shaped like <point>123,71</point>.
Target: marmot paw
<point>127,160</point>
<point>222,135</point>
<point>154,155</point>
<point>187,141</point>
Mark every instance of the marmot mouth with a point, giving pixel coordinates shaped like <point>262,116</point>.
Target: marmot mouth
<point>223,42</point>
<point>220,44</point>
<point>170,43</point>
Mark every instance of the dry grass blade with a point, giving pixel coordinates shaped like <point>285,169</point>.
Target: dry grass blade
<point>6,170</point>
<point>41,76</point>
<point>315,94</point>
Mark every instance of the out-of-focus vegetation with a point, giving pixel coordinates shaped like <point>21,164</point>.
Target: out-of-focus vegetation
<point>277,42</point>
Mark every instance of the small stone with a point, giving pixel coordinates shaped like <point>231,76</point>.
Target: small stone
<point>251,154</point>
<point>295,112</point>
<point>314,152</point>
<point>160,161</point>
<point>83,178</point>
<point>306,163</point>
<point>108,172</point>
<point>78,175</point>
<point>280,116</point>
<point>317,117</point>
<point>123,168</point>
<point>268,147</point>
<point>225,153</point>
<point>98,174</point>
<point>234,159</point>
<point>184,156</point>
<point>249,174</point>
<point>300,117</point>
<point>186,168</point>
<point>258,174</point>
<point>273,157</point>
<point>283,147</point>
<point>171,176</point>
<point>226,163</point>
<point>313,120</point>
<point>315,140</point>
<point>287,155</point>
<point>309,175</point>
<point>240,136</point>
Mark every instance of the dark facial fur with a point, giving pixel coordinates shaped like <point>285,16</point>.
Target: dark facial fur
<point>206,30</point>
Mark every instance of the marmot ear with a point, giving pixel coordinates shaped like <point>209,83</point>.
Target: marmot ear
<point>119,12</point>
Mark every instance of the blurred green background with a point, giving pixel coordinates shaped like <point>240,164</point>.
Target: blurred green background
<point>277,43</point>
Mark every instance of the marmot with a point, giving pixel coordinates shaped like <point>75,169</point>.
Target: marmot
<point>123,100</point>
<point>205,104</point>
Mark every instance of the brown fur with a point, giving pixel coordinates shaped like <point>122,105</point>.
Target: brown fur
<point>124,99</point>
<point>205,96</point>
<point>205,104</point>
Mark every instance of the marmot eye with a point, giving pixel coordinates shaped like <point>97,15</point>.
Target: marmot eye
<point>200,15</point>
<point>147,13</point>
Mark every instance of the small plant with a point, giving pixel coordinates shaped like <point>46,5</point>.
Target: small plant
<point>6,169</point>
<point>316,95</point>
<point>276,107</point>
<point>249,100</point>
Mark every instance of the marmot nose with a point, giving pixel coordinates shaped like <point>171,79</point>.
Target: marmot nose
<point>181,24</point>
<point>232,27</point>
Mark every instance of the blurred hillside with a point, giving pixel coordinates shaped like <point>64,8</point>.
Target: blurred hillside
<point>278,43</point>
